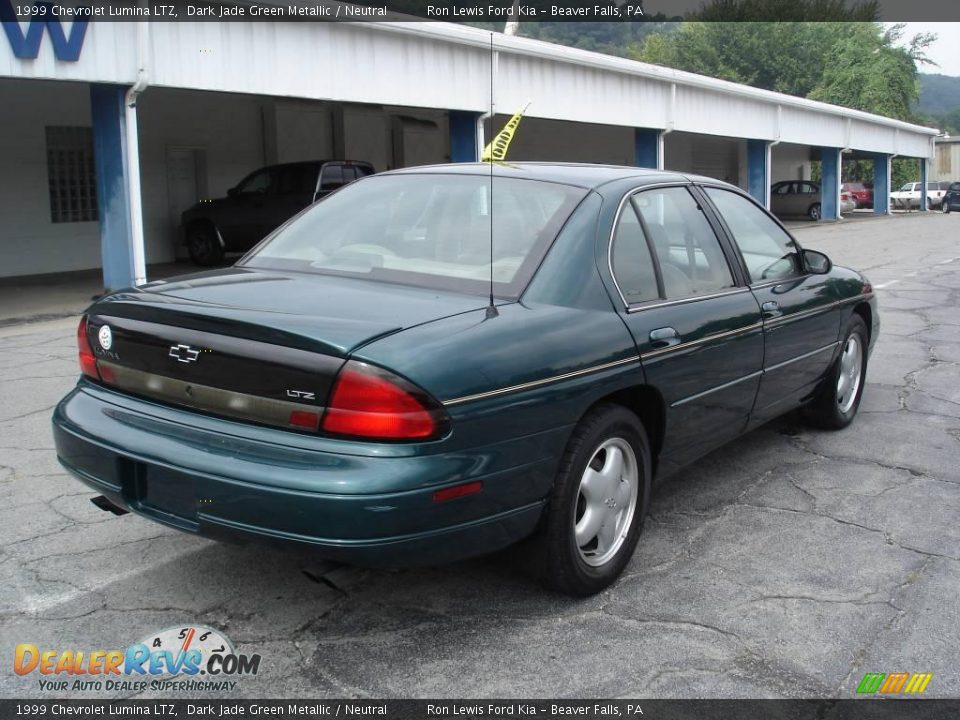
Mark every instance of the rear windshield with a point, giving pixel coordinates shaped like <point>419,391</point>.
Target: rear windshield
<point>431,231</point>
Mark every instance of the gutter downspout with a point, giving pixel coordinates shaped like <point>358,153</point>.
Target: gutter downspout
<point>776,141</point>
<point>848,137</point>
<point>133,156</point>
<point>671,123</point>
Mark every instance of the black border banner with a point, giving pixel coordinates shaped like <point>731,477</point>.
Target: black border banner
<point>852,709</point>
<point>491,13</point>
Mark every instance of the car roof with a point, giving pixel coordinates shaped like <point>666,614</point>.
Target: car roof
<point>580,174</point>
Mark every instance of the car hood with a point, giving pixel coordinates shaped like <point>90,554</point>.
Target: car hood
<point>322,313</point>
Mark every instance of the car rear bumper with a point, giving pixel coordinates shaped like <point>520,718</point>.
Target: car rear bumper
<point>365,505</point>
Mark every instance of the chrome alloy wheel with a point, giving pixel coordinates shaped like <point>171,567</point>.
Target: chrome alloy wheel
<point>606,501</point>
<point>851,365</point>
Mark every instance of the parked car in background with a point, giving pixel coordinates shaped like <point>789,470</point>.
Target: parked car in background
<point>801,198</point>
<point>908,196</point>
<point>862,193</point>
<point>795,198</point>
<point>261,202</point>
<point>847,202</point>
<point>364,383</point>
<point>951,200</point>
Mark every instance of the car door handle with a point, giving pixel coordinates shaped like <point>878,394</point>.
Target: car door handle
<point>664,337</point>
<point>771,309</point>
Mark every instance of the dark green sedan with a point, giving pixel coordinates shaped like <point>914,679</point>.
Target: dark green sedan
<point>439,362</point>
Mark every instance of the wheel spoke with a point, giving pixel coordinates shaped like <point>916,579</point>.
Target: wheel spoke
<point>612,470</point>
<point>606,501</point>
<point>608,534</point>
<point>593,485</point>
<point>590,524</point>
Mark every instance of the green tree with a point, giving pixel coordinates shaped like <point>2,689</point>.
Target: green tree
<point>853,64</point>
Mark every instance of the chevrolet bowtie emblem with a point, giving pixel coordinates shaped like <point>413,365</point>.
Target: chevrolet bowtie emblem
<point>183,353</point>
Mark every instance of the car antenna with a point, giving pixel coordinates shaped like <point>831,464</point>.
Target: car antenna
<point>491,308</point>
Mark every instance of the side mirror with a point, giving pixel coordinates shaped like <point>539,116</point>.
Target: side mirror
<point>233,192</point>
<point>816,262</point>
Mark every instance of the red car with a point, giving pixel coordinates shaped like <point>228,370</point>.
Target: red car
<point>862,193</point>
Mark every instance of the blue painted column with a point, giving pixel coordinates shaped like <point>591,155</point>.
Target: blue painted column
<point>463,136</point>
<point>646,148</point>
<point>830,184</point>
<point>113,202</point>
<point>758,171</point>
<point>881,184</point>
<point>923,184</point>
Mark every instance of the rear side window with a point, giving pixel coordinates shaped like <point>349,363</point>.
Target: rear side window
<point>662,232</point>
<point>687,251</point>
<point>632,261</point>
<point>768,251</point>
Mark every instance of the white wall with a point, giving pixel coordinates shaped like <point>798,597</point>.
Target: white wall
<point>29,243</point>
<point>789,162</point>
<point>715,157</point>
<point>228,129</point>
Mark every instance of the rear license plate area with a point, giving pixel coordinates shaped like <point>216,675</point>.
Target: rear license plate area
<point>167,493</point>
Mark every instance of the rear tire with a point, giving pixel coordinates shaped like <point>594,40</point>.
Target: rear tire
<point>838,399</point>
<point>595,513</point>
<point>204,245</point>
<point>813,212</point>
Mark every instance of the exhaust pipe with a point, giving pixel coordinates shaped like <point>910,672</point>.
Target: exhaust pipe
<point>104,504</point>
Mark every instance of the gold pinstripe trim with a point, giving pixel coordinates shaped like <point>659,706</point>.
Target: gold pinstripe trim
<point>645,356</point>
<point>544,381</point>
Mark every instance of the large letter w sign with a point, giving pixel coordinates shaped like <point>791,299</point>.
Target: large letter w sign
<point>27,45</point>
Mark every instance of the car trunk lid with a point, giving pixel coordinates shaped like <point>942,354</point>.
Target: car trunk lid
<point>253,345</point>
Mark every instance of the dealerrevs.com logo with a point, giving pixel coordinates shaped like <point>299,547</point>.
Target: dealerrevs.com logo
<point>188,658</point>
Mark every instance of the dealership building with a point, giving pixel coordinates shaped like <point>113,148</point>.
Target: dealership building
<point>112,129</point>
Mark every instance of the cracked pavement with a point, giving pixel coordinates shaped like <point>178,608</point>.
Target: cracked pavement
<point>786,564</point>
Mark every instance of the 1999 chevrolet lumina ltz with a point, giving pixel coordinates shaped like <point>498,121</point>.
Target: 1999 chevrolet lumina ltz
<point>349,386</point>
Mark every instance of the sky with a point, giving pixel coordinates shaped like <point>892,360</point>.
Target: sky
<point>945,51</point>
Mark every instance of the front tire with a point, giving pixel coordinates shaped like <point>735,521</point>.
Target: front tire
<point>204,245</point>
<point>945,208</point>
<point>600,497</point>
<point>838,398</point>
<point>813,212</point>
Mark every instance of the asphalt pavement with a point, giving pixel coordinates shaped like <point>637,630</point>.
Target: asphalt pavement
<point>787,564</point>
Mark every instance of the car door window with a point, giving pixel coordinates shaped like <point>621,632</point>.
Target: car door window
<point>631,260</point>
<point>260,183</point>
<point>768,251</point>
<point>688,253</point>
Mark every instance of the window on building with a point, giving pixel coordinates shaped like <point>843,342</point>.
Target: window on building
<point>71,173</point>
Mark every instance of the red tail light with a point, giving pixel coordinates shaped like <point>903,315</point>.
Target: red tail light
<point>88,361</point>
<point>369,402</point>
